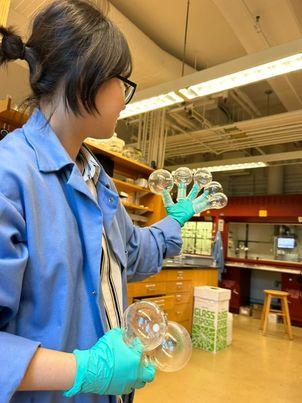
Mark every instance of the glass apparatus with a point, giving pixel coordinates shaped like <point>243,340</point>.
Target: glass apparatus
<point>165,344</point>
<point>217,201</point>
<point>212,188</point>
<point>159,180</point>
<point>202,177</point>
<point>175,350</point>
<point>146,321</point>
<point>162,181</point>
<point>182,178</point>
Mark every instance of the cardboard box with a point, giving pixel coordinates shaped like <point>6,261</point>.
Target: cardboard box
<point>230,329</point>
<point>245,310</point>
<point>210,318</point>
<point>212,293</point>
<point>272,317</point>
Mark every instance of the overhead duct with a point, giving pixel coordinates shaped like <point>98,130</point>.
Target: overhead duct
<point>161,66</point>
<point>278,158</point>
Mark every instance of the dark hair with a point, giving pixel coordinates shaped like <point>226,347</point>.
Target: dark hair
<point>73,45</point>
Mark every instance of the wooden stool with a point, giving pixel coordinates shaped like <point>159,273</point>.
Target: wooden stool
<point>282,295</point>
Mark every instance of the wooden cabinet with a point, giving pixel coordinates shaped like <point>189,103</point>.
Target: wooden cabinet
<point>172,289</point>
<point>292,283</point>
<point>149,288</point>
<point>178,286</point>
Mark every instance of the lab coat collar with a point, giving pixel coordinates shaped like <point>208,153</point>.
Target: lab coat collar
<point>50,153</point>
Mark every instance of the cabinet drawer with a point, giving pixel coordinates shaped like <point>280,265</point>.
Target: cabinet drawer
<point>182,313</point>
<point>151,288</point>
<point>155,278</point>
<point>187,324</point>
<point>179,286</point>
<point>166,302</point>
<point>183,298</point>
<point>179,275</point>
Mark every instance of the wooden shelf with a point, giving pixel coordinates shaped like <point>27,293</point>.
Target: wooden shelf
<point>121,161</point>
<point>130,187</point>
<point>10,116</point>
<point>138,209</point>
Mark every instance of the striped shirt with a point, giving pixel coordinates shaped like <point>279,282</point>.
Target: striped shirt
<point>110,271</point>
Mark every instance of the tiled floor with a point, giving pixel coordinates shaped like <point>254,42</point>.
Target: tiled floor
<point>254,369</point>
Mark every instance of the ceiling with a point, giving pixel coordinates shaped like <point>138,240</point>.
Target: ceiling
<point>218,31</point>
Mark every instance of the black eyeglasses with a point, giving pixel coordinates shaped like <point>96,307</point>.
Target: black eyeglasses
<point>130,88</point>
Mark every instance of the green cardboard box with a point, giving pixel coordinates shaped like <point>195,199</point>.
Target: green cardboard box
<point>210,318</point>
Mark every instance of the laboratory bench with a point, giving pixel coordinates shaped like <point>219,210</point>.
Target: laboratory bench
<point>243,277</point>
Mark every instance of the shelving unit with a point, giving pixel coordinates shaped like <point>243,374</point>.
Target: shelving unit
<point>129,187</point>
<point>9,117</point>
<point>122,165</point>
<point>149,208</point>
<point>138,209</point>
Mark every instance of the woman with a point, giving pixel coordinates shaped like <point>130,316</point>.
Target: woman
<point>67,246</point>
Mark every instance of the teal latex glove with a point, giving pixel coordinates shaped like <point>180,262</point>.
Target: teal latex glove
<point>184,209</point>
<point>110,367</point>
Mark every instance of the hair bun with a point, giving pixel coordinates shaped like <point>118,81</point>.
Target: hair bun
<point>12,47</point>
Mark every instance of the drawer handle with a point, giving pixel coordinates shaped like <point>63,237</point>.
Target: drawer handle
<point>178,298</point>
<point>178,313</point>
<point>159,302</point>
<point>179,286</point>
<point>150,287</point>
<point>235,292</point>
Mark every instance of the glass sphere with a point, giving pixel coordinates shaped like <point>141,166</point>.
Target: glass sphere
<point>217,201</point>
<point>213,187</point>
<point>159,180</point>
<point>145,320</point>
<point>183,175</point>
<point>175,350</point>
<point>202,176</point>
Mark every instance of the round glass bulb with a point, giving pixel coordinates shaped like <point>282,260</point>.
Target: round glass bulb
<point>145,320</point>
<point>217,201</point>
<point>212,188</point>
<point>159,180</point>
<point>175,350</point>
<point>202,177</point>
<point>183,175</point>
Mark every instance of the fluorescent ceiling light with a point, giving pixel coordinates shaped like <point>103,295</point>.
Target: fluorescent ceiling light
<point>150,104</point>
<point>234,167</point>
<point>243,77</point>
<point>250,68</point>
